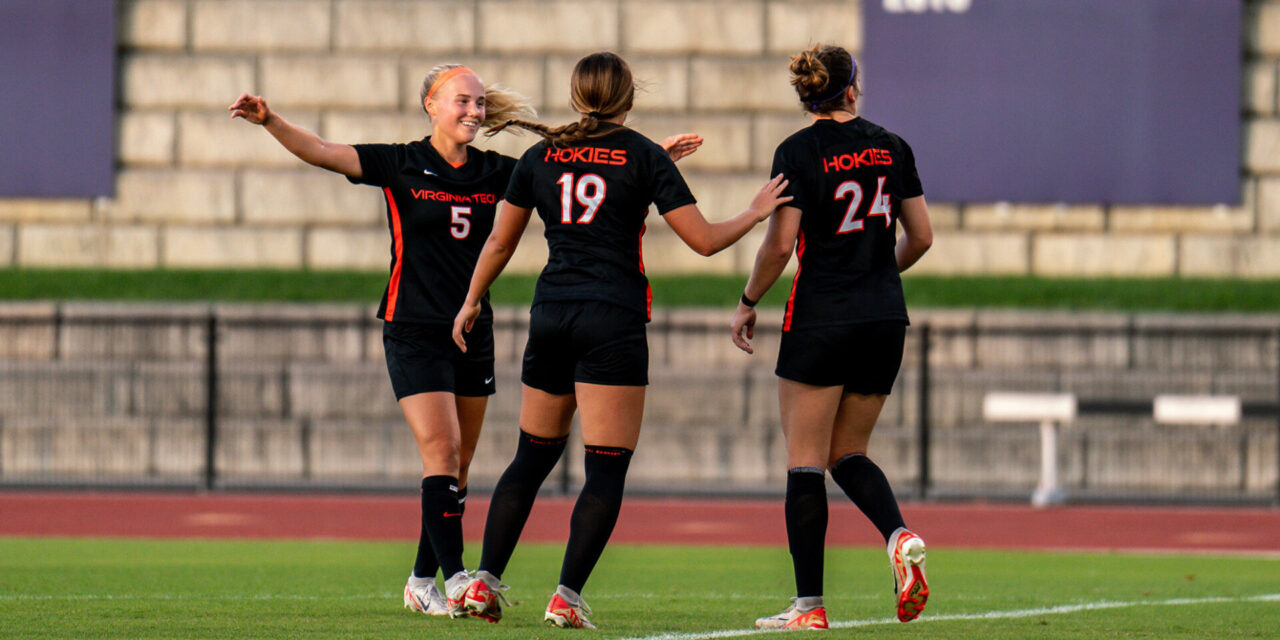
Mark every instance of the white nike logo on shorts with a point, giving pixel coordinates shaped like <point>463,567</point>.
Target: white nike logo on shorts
<point>488,380</point>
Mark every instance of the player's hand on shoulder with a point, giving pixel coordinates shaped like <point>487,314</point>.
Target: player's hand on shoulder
<point>743,327</point>
<point>681,145</point>
<point>250,107</point>
<point>770,197</point>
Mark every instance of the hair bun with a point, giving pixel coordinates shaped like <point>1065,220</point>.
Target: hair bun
<point>809,74</point>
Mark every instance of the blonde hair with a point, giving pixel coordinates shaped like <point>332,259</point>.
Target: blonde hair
<point>821,74</point>
<point>601,88</point>
<point>500,103</point>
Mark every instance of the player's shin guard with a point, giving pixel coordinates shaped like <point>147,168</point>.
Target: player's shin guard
<point>806,514</point>
<point>595,513</point>
<point>867,487</point>
<point>513,498</point>
<point>442,518</point>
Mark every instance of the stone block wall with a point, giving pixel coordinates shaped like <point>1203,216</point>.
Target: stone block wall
<point>195,189</point>
<point>93,393</point>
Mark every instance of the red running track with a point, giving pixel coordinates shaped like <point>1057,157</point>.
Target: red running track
<point>643,520</point>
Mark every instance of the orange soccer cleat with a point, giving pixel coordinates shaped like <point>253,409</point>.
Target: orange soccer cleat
<point>906,558</point>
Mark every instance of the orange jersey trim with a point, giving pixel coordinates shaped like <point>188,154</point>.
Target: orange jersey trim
<point>397,238</point>
<point>791,300</point>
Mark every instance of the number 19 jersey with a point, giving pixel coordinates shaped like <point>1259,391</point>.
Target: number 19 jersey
<point>593,198</point>
<point>849,180</point>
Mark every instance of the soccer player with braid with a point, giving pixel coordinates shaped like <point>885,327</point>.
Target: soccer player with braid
<point>591,182</point>
<point>441,197</point>
<point>853,182</point>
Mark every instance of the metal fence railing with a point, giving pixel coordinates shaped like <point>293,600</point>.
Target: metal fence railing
<point>297,397</point>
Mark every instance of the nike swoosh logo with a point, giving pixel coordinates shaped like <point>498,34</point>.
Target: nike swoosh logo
<point>488,380</point>
<point>451,515</point>
<point>428,172</point>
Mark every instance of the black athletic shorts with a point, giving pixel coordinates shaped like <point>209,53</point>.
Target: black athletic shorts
<point>592,342</point>
<point>423,358</point>
<point>863,358</point>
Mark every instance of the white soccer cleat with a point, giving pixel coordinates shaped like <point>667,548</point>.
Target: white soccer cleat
<point>421,595</point>
<point>455,591</point>
<point>567,616</point>
<point>795,618</point>
<point>906,559</point>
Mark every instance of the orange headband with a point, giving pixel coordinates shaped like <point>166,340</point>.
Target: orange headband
<point>447,76</point>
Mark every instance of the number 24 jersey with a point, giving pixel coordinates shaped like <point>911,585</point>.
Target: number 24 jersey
<point>849,180</point>
<point>593,197</point>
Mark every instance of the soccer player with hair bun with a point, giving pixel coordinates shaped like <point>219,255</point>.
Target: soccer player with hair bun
<point>591,182</point>
<point>853,183</point>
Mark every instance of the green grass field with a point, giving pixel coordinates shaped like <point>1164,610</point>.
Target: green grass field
<point>1155,294</point>
<point>87,588</point>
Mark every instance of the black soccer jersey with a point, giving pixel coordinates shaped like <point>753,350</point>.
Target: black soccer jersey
<point>849,180</point>
<point>593,197</point>
<point>439,217</point>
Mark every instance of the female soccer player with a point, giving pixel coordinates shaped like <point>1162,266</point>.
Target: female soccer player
<point>591,181</point>
<point>845,321</point>
<point>441,196</point>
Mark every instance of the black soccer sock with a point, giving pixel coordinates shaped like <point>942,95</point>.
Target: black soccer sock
<point>595,513</point>
<point>866,485</point>
<point>425,565</point>
<point>806,514</point>
<point>513,498</point>
<point>462,500</point>
<point>442,519</point>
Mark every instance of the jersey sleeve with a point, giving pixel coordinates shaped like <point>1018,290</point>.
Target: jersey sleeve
<point>670,192</point>
<point>520,188</point>
<point>504,176</point>
<point>379,163</point>
<point>784,163</point>
<point>908,179</point>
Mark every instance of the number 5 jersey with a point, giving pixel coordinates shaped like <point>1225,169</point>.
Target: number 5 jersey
<point>439,216</point>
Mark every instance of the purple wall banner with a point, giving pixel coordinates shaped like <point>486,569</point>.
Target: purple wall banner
<point>57,94</point>
<point>1074,101</point>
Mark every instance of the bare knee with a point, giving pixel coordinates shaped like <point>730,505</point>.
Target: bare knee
<point>440,454</point>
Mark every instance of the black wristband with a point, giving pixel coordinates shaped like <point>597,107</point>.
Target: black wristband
<point>748,301</point>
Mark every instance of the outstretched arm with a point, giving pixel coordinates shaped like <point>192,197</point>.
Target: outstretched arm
<point>708,238</point>
<point>308,146</point>
<point>494,257</point>
<point>771,259</point>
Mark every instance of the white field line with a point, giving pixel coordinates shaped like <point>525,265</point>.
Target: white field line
<point>989,615</point>
<point>709,635</point>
